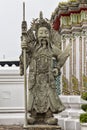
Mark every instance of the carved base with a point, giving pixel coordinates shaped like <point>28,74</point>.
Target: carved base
<point>42,127</point>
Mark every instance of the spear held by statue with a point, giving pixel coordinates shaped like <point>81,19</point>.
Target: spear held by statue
<point>24,47</point>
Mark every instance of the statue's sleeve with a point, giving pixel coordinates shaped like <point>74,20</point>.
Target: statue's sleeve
<point>64,55</point>
<point>56,51</point>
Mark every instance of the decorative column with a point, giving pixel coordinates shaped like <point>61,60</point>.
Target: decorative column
<point>64,46</point>
<point>80,62</point>
<point>65,82</point>
<point>74,80</point>
<point>86,66</point>
<point>70,69</point>
<point>74,56</point>
<point>84,55</point>
<point>84,78</point>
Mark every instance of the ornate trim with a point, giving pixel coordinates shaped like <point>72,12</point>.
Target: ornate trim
<point>67,10</point>
<point>9,63</point>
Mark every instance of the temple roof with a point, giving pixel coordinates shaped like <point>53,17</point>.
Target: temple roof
<point>65,9</point>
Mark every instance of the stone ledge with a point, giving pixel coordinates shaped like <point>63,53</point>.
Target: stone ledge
<point>42,127</point>
<point>11,127</point>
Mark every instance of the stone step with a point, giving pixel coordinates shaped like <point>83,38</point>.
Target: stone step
<point>42,127</point>
<point>11,127</point>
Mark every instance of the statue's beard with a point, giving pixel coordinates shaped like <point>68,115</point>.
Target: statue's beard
<point>44,42</point>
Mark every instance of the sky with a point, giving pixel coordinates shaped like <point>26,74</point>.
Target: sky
<point>11,19</point>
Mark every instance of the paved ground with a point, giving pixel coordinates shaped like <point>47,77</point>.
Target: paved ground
<point>11,127</point>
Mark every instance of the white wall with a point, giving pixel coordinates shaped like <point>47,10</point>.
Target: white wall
<point>11,96</point>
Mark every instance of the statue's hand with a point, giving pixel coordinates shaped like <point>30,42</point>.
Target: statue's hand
<point>23,42</point>
<point>55,71</point>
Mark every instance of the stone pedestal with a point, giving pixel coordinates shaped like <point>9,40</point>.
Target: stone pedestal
<point>42,127</point>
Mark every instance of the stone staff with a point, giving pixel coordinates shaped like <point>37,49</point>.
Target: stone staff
<point>24,47</point>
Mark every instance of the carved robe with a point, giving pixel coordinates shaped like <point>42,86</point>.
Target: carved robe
<point>42,87</point>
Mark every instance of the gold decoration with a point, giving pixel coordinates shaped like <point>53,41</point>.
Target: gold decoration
<point>72,0</point>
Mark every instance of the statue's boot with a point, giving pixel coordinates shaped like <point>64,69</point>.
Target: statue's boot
<point>49,118</point>
<point>31,120</point>
<point>51,121</point>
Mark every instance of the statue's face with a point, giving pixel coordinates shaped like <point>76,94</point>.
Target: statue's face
<point>43,36</point>
<point>43,32</point>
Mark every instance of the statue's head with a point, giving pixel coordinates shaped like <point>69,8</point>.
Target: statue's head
<point>42,29</point>
<point>43,36</point>
<point>43,32</point>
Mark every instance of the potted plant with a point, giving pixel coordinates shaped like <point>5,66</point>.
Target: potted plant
<point>83,116</point>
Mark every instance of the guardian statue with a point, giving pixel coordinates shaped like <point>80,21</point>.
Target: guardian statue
<point>43,100</point>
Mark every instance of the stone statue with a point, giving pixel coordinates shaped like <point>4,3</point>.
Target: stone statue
<point>43,100</point>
